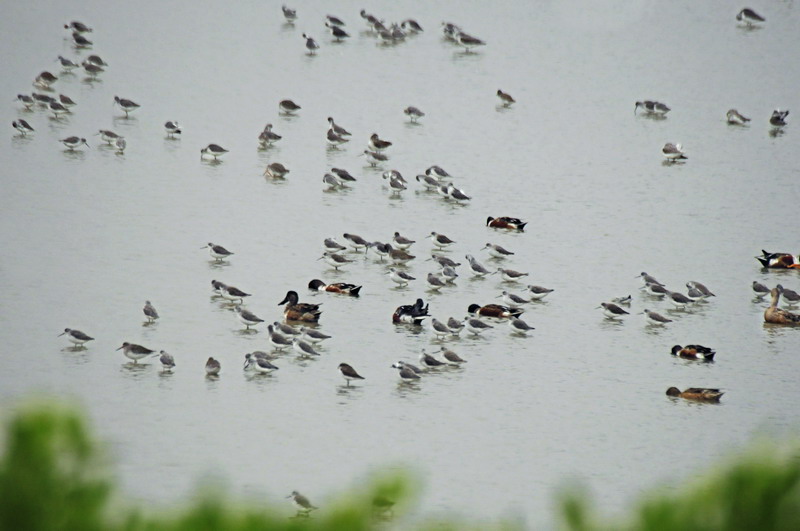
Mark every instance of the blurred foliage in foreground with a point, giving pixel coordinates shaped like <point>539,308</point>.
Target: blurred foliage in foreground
<point>53,476</point>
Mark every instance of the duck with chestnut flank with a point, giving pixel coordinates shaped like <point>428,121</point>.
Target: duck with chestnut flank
<point>497,311</point>
<point>505,222</point>
<point>337,287</point>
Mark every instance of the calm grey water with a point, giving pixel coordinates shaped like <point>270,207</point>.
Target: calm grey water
<point>89,236</point>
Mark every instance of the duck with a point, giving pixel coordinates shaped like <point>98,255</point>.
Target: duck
<point>299,311</point>
<point>495,310</point>
<point>700,394</point>
<point>505,222</point>
<point>337,287</point>
<point>778,260</point>
<point>410,313</point>
<point>776,315</point>
<point>693,352</point>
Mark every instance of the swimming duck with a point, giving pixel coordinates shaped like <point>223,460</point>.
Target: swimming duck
<point>494,310</point>
<point>410,313</point>
<point>693,352</point>
<point>299,311</point>
<point>778,260</point>
<point>505,222</point>
<point>776,315</point>
<point>338,287</point>
<point>700,394</point>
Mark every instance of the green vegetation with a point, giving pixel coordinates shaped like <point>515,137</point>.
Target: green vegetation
<point>53,476</point>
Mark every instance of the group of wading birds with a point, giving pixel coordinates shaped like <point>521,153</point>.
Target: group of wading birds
<point>304,339</point>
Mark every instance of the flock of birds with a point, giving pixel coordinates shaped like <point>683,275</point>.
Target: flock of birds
<point>299,330</point>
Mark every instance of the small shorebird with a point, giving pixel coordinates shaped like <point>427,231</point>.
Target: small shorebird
<point>212,367</point>
<point>778,118</point>
<point>276,170</point>
<point>476,267</point>
<point>440,240</point>
<point>519,326</point>
<point>413,113</point>
<point>749,17</point>
<point>655,318</point>
<point>374,158</point>
<point>539,292</point>
<point>247,317</point>
<point>400,277</point>
<point>73,142</point>
<point>735,118</point>
<point>760,289</point>
<point>76,337</point>
<point>304,507</point>
<point>335,260</point>
<point>303,348</point>
<point>311,45</point>
<point>67,65</point>
<point>338,129</point>
<point>218,252</point>
<point>78,27</point>
<point>126,105</point>
<point>259,364</point>
<point>135,352</point>
<point>289,14</point>
<point>167,361</point>
<point>215,150</point>
<point>288,107</point>
<point>150,312</point>
<point>377,144</point>
<point>673,152</point>
<point>349,373</point>
<point>172,128</point>
<point>505,98</point>
<point>407,374</point>
<point>612,311</point>
<point>22,126</point>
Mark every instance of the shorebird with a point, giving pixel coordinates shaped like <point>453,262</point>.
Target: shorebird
<point>440,240</point>
<point>539,292</point>
<point>311,45</point>
<point>78,27</point>
<point>519,326</point>
<point>476,267</point>
<point>337,32</point>
<point>76,337</point>
<point>400,277</point>
<point>167,361</point>
<point>673,152</point>
<point>288,107</point>
<point>735,118</point>
<point>749,17</point>
<point>612,311</point>
<point>172,128</point>
<point>413,113</point>
<point>452,357</point>
<point>259,364</point>
<point>377,144</point>
<point>374,158</point>
<point>505,98</point>
<point>276,170</point>
<point>335,260</point>
<point>303,348</point>
<point>215,150</point>
<point>760,289</point>
<point>247,317</point>
<point>655,318</point>
<point>407,374</point>
<point>73,142</point>
<point>22,126</point>
<point>212,367</point>
<point>301,502</point>
<point>778,118</point>
<point>338,129</point>
<point>126,105</point>
<point>289,14</point>
<point>217,252</point>
<point>150,312</point>
<point>135,352</point>
<point>349,373</point>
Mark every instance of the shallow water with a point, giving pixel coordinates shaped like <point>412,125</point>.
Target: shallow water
<point>91,235</point>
